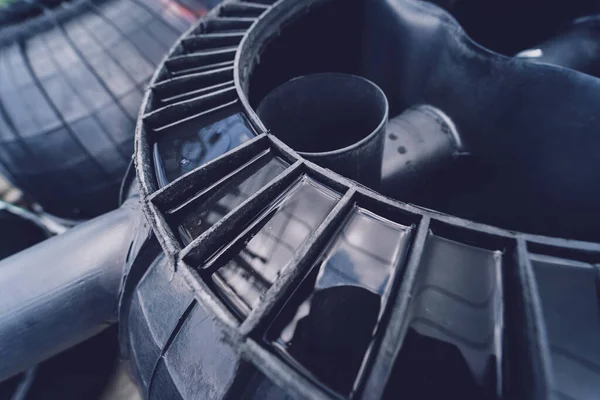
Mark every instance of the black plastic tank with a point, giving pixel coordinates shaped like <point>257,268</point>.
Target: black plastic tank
<point>305,284</point>
<point>267,276</point>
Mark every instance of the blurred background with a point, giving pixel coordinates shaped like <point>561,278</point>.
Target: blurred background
<point>72,77</point>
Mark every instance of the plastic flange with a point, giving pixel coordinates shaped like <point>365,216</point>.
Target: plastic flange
<point>280,279</point>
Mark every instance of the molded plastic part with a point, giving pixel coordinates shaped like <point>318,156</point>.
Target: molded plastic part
<point>360,295</point>
<point>335,120</point>
<point>73,300</point>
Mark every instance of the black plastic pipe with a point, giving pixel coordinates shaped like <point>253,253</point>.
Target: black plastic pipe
<point>335,120</point>
<point>63,290</point>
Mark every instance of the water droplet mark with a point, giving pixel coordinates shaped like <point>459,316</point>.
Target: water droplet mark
<point>402,150</point>
<point>392,136</point>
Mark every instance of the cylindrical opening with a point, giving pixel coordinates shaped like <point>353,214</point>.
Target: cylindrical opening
<point>325,112</point>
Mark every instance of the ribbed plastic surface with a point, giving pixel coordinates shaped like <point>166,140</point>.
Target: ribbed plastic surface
<point>281,279</point>
<point>70,95</point>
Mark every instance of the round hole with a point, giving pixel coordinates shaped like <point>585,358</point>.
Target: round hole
<point>326,112</point>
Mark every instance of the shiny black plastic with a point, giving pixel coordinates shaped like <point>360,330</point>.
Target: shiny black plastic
<point>200,213</point>
<point>570,297</point>
<point>190,144</point>
<point>361,295</point>
<point>329,323</point>
<point>458,312</point>
<point>454,342</point>
<point>271,244</point>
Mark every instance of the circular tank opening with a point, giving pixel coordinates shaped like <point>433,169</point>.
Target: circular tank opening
<point>323,112</point>
<point>336,120</point>
<point>514,162</point>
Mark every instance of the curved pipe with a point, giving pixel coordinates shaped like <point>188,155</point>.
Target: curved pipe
<point>63,290</point>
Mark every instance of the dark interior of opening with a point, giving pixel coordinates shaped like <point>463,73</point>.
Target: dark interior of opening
<point>323,112</point>
<point>324,41</point>
<point>529,131</point>
<point>332,39</point>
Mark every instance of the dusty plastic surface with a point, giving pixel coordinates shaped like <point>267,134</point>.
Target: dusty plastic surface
<point>369,297</point>
<point>255,247</point>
